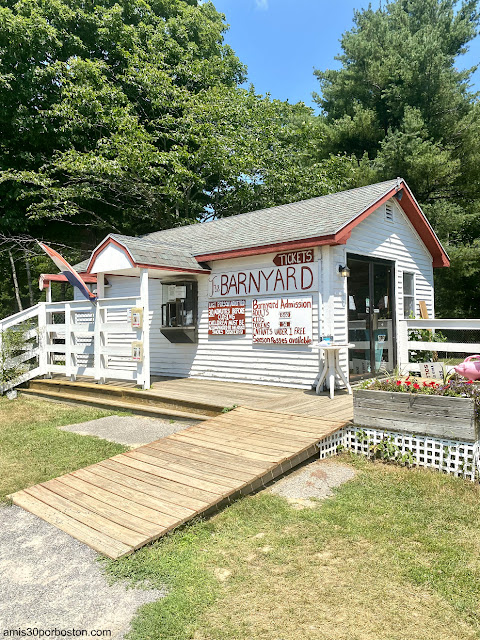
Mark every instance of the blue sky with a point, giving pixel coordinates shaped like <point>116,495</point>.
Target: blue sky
<point>281,41</point>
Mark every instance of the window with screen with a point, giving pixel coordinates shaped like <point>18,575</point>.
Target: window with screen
<point>408,294</point>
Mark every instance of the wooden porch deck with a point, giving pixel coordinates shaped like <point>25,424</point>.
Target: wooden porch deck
<point>129,500</point>
<point>207,397</point>
<point>301,402</point>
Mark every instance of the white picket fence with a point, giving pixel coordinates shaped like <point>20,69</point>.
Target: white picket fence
<point>405,344</point>
<point>77,338</point>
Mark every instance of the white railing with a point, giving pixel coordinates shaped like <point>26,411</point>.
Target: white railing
<point>407,326</point>
<point>78,338</point>
<point>27,321</point>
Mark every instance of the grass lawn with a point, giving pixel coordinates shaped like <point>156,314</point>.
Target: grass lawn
<point>395,554</point>
<point>32,449</point>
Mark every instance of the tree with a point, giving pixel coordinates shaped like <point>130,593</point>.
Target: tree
<point>401,105</point>
<point>129,117</point>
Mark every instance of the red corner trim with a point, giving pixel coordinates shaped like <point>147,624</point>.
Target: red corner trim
<point>416,217</point>
<point>163,268</point>
<point>46,278</point>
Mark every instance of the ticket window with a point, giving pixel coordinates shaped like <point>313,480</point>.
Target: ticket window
<point>179,311</point>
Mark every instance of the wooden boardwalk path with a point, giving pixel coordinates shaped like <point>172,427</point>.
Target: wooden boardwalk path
<point>121,504</point>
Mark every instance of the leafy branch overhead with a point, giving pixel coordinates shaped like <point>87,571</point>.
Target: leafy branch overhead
<point>134,116</point>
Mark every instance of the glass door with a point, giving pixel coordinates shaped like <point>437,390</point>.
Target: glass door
<point>370,316</point>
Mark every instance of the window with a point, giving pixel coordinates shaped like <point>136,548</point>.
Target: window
<point>388,212</point>
<point>408,294</point>
<point>179,311</point>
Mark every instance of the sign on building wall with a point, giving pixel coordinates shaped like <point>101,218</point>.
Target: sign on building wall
<point>226,318</point>
<point>294,257</point>
<point>295,278</point>
<point>282,320</point>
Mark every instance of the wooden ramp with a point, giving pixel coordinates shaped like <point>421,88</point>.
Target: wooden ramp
<point>121,504</point>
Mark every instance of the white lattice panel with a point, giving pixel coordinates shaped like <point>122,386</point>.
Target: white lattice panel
<point>449,456</point>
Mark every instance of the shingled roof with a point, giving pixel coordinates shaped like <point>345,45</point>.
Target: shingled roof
<point>155,252</point>
<point>322,216</point>
<point>322,220</point>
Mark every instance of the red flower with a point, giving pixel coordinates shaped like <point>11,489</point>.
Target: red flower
<point>416,386</point>
<point>425,384</point>
<point>399,382</point>
<point>432,383</point>
<point>407,382</point>
<point>469,381</point>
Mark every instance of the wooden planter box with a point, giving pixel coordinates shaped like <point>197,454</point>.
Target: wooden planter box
<point>416,413</point>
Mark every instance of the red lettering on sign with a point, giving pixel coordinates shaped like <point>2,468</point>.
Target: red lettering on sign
<point>233,284</point>
<point>224,284</point>
<point>278,279</point>
<point>267,278</point>
<point>307,276</point>
<point>255,282</point>
<point>291,274</point>
<point>293,257</point>
<point>226,318</point>
<point>241,282</point>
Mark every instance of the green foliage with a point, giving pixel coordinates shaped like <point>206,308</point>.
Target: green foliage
<point>452,386</point>
<point>228,409</point>
<point>129,117</point>
<point>424,335</point>
<point>13,343</point>
<point>386,450</point>
<point>391,530</point>
<point>400,103</point>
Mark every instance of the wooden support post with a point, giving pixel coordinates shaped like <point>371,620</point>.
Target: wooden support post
<point>144,378</point>
<point>48,292</point>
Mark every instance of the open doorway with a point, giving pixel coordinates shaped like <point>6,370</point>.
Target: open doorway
<point>371,315</point>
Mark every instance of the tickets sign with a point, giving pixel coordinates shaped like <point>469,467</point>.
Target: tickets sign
<point>226,318</point>
<point>293,257</point>
<point>282,321</point>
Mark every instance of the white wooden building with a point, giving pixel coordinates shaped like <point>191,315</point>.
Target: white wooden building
<point>246,298</point>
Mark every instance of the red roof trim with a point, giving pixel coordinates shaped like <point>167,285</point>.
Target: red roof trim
<point>416,218</point>
<point>101,247</point>
<point>46,278</point>
<point>134,264</point>
<point>269,248</point>
<point>181,269</point>
<point>407,203</point>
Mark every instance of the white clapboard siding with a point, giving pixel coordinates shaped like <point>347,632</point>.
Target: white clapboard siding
<point>232,358</point>
<point>235,358</point>
<point>397,241</point>
<point>380,238</point>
